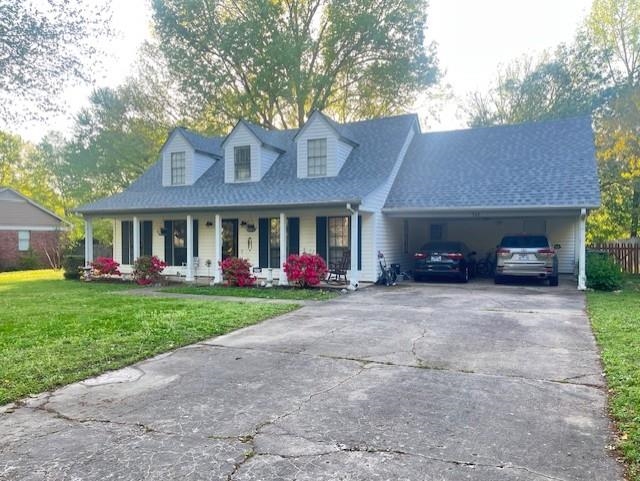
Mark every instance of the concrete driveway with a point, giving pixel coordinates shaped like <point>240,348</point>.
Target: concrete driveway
<point>437,382</point>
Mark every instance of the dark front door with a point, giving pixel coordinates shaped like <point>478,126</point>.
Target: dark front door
<point>229,238</point>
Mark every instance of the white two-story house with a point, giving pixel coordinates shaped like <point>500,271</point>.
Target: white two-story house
<point>356,188</point>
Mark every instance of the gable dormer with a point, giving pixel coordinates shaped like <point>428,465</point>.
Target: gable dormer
<point>185,157</point>
<point>322,147</point>
<point>249,153</point>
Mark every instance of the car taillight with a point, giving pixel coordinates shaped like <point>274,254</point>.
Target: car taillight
<point>546,252</point>
<point>502,252</point>
<point>420,255</point>
<point>455,256</point>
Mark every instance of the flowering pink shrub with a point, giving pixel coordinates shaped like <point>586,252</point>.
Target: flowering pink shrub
<point>105,266</point>
<point>147,269</point>
<point>237,272</point>
<point>305,270</point>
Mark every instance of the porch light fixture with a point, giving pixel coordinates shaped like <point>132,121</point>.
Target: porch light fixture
<point>249,227</point>
<point>209,223</point>
<point>162,231</point>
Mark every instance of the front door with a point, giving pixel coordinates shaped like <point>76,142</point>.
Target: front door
<point>229,238</point>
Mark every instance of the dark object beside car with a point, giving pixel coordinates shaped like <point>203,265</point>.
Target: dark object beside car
<point>450,259</point>
<point>526,255</point>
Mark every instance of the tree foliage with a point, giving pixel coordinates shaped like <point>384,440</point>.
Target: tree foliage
<point>45,46</point>
<point>571,81</point>
<point>273,61</point>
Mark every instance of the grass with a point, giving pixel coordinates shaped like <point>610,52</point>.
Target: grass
<point>615,317</point>
<point>313,294</point>
<point>54,332</point>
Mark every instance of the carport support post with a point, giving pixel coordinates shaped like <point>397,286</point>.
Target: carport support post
<point>217,256</point>
<point>88,241</point>
<point>189,276</point>
<point>582,251</point>
<point>354,247</point>
<point>283,281</point>
<point>136,239</point>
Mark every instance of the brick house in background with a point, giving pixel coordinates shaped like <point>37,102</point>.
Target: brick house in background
<point>26,229</point>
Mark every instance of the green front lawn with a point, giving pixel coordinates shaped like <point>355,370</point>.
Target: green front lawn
<point>54,332</point>
<point>289,293</point>
<point>615,317</point>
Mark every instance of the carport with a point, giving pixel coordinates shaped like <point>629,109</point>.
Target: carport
<point>478,185</point>
<point>482,230</point>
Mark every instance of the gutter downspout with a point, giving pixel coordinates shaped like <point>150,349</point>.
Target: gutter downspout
<point>582,251</point>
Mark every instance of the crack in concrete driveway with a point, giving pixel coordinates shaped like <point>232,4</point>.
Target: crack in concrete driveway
<point>430,381</point>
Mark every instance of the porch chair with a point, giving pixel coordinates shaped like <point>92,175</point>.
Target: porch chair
<point>339,269</point>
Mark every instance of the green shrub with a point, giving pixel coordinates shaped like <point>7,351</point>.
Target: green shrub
<point>29,261</point>
<point>603,273</point>
<point>71,265</point>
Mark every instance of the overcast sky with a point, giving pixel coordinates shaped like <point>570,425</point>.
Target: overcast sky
<point>474,38</point>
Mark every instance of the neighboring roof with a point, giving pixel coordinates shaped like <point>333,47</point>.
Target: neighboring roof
<point>200,143</point>
<point>541,164</point>
<point>367,167</point>
<point>18,210</point>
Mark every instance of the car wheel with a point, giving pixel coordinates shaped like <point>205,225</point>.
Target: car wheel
<point>553,281</point>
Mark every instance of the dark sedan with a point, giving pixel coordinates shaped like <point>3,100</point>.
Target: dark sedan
<point>444,259</point>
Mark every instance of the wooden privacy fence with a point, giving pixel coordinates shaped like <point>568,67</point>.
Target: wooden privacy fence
<point>627,255</point>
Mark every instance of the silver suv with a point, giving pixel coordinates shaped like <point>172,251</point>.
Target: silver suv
<point>526,256</point>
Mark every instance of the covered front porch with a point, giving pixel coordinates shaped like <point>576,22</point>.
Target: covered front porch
<point>193,243</point>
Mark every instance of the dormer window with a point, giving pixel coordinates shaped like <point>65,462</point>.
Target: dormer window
<point>317,157</point>
<point>242,163</point>
<point>178,168</point>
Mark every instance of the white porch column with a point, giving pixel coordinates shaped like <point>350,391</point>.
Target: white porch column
<point>189,276</point>
<point>88,241</point>
<point>283,281</point>
<point>136,239</point>
<point>217,255</point>
<point>354,249</point>
<point>582,251</point>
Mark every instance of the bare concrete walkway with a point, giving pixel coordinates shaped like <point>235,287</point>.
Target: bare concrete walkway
<point>414,382</point>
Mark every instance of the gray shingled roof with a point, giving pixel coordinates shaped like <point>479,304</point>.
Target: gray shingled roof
<point>545,164</point>
<point>368,166</point>
<point>206,145</point>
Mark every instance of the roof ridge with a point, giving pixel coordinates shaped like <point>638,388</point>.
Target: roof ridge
<point>516,125</point>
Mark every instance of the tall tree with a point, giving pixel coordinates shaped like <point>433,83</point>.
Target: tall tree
<point>273,61</point>
<point>614,26</point>
<point>44,46</point>
<point>571,81</point>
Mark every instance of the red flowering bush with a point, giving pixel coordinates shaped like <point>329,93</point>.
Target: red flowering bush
<point>147,269</point>
<point>105,266</point>
<point>305,270</point>
<point>237,272</point>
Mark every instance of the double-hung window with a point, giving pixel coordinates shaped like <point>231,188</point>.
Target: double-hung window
<point>24,236</point>
<point>317,157</point>
<point>242,163</point>
<point>339,237</point>
<point>178,168</point>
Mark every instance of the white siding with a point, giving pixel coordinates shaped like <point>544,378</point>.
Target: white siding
<point>376,199</point>
<point>177,144</point>
<point>564,231</point>
<point>242,136</point>
<point>389,241</point>
<point>201,163</point>
<point>318,128</point>
<point>267,158</point>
